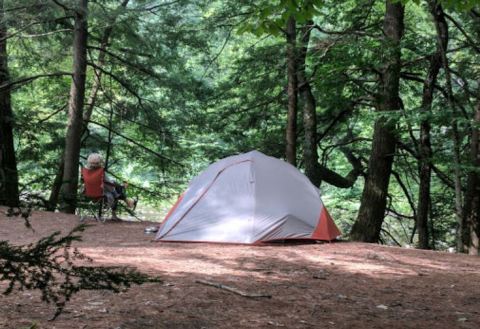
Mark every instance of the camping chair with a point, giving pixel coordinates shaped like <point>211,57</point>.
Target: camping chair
<point>94,199</point>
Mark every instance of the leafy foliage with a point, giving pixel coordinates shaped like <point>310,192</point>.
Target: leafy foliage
<point>188,82</point>
<point>460,5</point>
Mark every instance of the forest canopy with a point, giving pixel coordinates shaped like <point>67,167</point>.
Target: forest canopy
<point>377,102</point>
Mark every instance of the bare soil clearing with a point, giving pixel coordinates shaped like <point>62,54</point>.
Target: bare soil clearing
<point>337,285</point>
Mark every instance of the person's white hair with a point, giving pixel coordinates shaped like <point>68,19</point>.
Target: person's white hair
<point>94,160</point>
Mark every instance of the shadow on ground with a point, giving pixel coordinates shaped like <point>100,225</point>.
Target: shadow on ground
<point>338,285</point>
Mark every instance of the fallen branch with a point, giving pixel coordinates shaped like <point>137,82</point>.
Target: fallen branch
<point>231,289</point>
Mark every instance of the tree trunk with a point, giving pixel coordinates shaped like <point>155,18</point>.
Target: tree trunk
<point>310,154</point>
<point>75,110</point>
<point>441,28</point>
<point>373,203</point>
<point>101,63</point>
<point>8,164</point>
<point>313,169</point>
<point>425,148</point>
<point>472,194</point>
<point>57,183</point>
<point>425,154</point>
<point>292,90</point>
<point>471,217</point>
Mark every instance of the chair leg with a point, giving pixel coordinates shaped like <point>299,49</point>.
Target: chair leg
<point>100,210</point>
<point>92,209</point>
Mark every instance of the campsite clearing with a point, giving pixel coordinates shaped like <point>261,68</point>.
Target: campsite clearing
<point>333,285</point>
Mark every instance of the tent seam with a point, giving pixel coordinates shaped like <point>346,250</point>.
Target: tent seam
<point>202,195</point>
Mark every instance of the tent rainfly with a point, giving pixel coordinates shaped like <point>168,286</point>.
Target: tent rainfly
<point>248,198</point>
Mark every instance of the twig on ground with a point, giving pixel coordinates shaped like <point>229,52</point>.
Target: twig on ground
<point>231,289</point>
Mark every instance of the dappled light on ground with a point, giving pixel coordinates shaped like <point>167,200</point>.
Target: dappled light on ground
<point>231,259</point>
<point>332,285</point>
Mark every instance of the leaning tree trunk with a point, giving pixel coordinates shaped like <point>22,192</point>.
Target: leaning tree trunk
<point>373,203</point>
<point>57,183</point>
<point>292,91</point>
<point>75,110</point>
<point>8,163</point>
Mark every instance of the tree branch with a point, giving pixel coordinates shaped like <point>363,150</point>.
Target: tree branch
<point>470,41</point>
<point>25,80</point>
<point>405,191</point>
<point>442,176</point>
<point>124,84</point>
<point>52,114</point>
<point>58,3</point>
<point>136,143</point>
<point>142,69</point>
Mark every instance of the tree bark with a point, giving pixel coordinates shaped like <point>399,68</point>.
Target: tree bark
<point>313,169</point>
<point>101,63</point>
<point>471,206</point>
<point>425,154</point>
<point>368,225</point>
<point>425,148</point>
<point>57,183</point>
<point>292,91</point>
<point>441,28</point>
<point>472,194</point>
<point>75,110</point>
<point>8,163</point>
<point>425,173</point>
<point>310,154</point>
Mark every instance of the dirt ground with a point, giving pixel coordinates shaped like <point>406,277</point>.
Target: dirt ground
<point>332,285</point>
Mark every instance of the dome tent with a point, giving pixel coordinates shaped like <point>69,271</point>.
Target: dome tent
<point>248,198</point>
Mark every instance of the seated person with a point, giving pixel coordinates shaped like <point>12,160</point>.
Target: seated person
<point>112,190</point>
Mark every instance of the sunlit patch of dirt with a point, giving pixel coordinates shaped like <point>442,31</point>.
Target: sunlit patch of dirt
<point>331,285</point>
